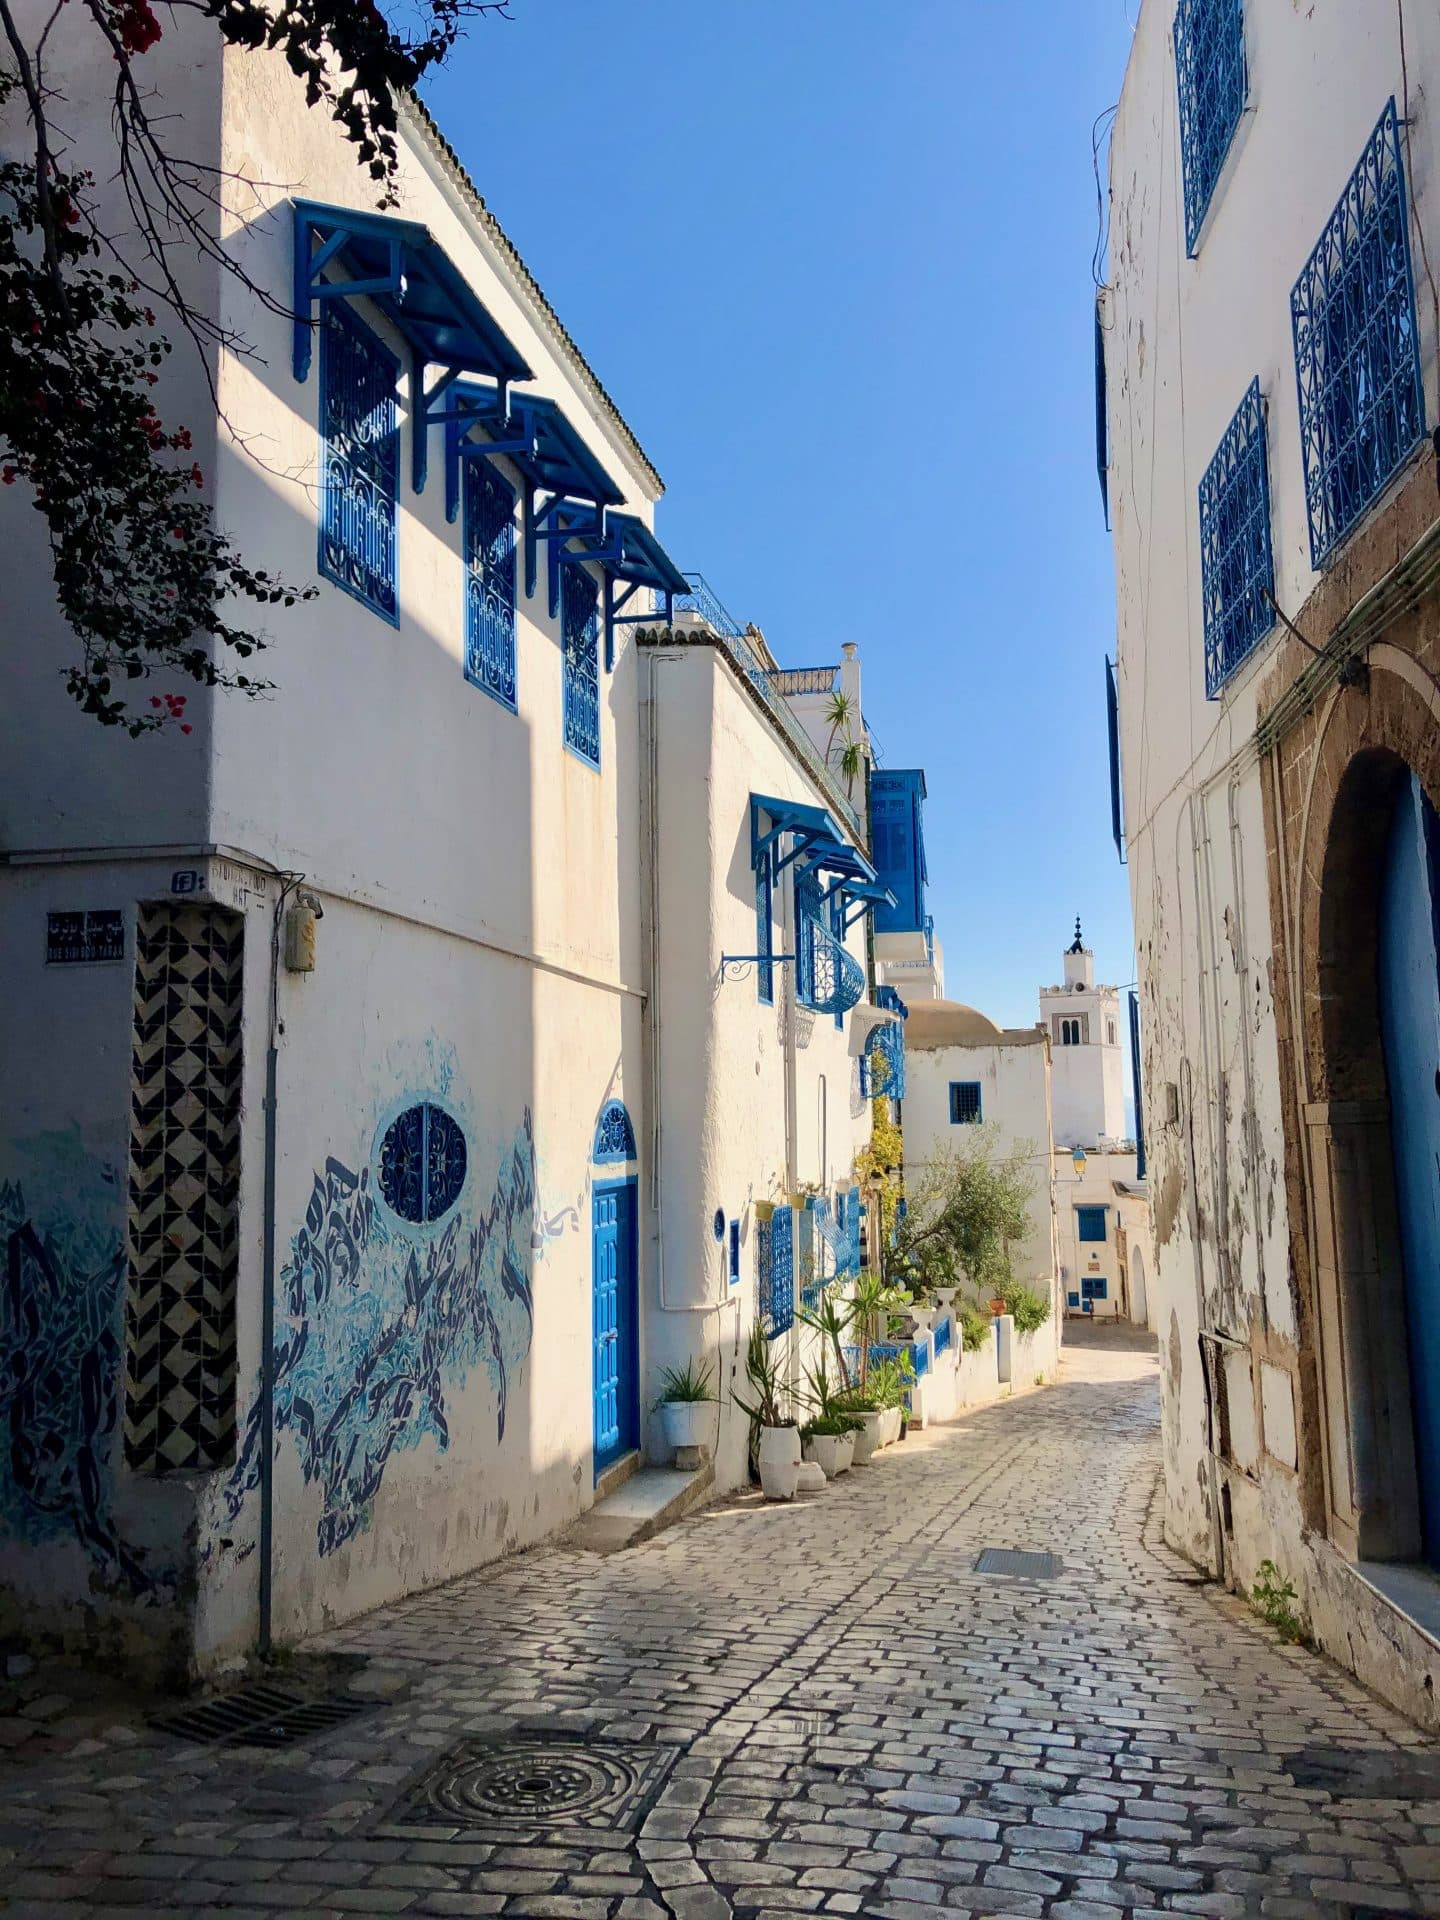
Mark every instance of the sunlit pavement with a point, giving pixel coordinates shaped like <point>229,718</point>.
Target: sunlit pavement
<point>822,1708</point>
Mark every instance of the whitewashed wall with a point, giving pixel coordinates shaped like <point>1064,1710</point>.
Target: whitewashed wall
<point>721,1092</point>
<point>1183,340</point>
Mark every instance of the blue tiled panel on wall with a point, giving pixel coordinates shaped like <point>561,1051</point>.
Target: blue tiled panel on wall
<point>360,462</point>
<point>1357,352</point>
<point>489,540</point>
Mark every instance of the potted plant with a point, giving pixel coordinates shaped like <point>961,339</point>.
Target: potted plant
<point>779,1448</point>
<point>890,1381</point>
<point>829,1441</point>
<point>685,1393</point>
<point>861,1402</point>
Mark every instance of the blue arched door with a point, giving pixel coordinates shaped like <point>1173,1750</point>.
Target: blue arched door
<point>1409,965</point>
<point>616,1305</point>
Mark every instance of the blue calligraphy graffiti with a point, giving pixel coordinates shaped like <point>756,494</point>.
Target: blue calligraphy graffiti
<point>61,1306</point>
<point>380,1320</point>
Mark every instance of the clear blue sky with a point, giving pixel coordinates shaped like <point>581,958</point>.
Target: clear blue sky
<point>832,260</point>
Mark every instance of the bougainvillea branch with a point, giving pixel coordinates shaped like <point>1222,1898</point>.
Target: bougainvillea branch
<point>146,580</point>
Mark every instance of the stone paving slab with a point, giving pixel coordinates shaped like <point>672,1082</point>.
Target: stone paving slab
<point>862,1723</point>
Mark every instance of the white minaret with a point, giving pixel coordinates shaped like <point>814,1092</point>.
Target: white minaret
<point>1087,1077</point>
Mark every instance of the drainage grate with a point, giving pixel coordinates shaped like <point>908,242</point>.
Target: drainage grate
<point>1018,1565</point>
<point>263,1715</point>
<point>1367,1773</point>
<point>538,1785</point>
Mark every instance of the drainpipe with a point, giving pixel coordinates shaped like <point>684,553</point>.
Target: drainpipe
<point>288,884</point>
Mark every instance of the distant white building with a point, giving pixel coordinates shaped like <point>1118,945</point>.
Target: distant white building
<point>1102,1203</point>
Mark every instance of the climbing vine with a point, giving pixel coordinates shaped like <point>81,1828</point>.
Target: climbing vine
<point>147,581</point>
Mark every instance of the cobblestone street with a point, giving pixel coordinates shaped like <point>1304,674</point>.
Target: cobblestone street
<point>839,1713</point>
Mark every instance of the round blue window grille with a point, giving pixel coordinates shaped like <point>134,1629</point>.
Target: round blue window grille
<point>422,1163</point>
<point>615,1137</point>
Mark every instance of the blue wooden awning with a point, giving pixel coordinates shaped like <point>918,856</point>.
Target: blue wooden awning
<point>770,818</point>
<point>863,896</point>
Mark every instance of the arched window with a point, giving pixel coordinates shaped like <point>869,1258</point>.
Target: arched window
<point>614,1136</point>
<point>1069,1033</point>
<point>422,1163</point>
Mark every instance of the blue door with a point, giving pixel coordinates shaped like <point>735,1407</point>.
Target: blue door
<point>1410,1026</point>
<point>616,1317</point>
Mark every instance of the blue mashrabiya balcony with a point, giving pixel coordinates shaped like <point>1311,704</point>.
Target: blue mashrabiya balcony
<point>833,883</point>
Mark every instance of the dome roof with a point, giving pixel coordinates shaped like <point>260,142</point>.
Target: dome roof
<point>949,1023</point>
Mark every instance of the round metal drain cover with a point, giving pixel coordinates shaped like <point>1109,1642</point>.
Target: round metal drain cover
<point>539,1781</point>
<point>537,1784</point>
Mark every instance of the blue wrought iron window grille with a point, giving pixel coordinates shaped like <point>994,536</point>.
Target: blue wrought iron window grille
<point>1237,564</point>
<point>614,1135</point>
<point>580,638</point>
<point>882,1070</point>
<point>965,1103</point>
<point>827,977</point>
<point>360,462</point>
<point>1211,83</point>
<point>775,1263</point>
<point>1090,1223</point>
<point>1357,349</point>
<point>488,536</point>
<point>422,1164</point>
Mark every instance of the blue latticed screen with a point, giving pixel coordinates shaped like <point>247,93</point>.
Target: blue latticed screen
<point>489,539</point>
<point>1357,353</point>
<point>1237,566</point>
<point>964,1103</point>
<point>1210,78</point>
<point>580,630</point>
<point>360,462</point>
<point>775,1266</point>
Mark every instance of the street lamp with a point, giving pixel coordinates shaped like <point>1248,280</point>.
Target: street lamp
<point>1078,1156</point>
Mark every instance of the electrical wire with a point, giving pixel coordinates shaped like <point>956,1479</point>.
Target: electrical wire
<point>1098,136</point>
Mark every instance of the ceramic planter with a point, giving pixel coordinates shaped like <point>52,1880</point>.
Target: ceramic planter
<point>779,1462</point>
<point>831,1450</point>
<point>867,1440</point>
<point>890,1427</point>
<point>686,1423</point>
<point>946,1297</point>
<point>812,1477</point>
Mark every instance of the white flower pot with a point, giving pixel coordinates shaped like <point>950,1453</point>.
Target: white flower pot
<point>831,1450</point>
<point>890,1430</point>
<point>922,1319</point>
<point>946,1297</point>
<point>779,1462</point>
<point>686,1423</point>
<point>812,1477</point>
<point>867,1440</point>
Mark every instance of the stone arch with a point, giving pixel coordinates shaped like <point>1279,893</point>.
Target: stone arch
<point>1366,742</point>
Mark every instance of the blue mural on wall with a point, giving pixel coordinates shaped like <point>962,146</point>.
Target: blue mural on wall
<point>62,1288</point>
<point>381,1319</point>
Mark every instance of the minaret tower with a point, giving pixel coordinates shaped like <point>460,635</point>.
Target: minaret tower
<point>1087,1079</point>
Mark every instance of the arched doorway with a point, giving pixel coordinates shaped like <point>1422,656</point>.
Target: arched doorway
<point>1139,1293</point>
<point>615,1313</point>
<point>1409,989</point>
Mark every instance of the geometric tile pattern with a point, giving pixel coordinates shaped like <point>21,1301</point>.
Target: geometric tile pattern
<point>184,1189</point>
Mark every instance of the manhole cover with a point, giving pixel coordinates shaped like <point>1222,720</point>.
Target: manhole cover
<point>538,1785</point>
<point>1020,1566</point>
<point>1367,1773</point>
<point>263,1715</point>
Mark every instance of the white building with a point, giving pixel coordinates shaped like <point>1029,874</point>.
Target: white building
<point>962,1071</point>
<point>1269,342</point>
<point>344,1251</point>
<point>1102,1202</point>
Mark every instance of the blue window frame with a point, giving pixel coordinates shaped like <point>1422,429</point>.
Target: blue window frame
<point>1093,1286</point>
<point>1210,80</point>
<point>580,637</point>
<point>1072,1300</point>
<point>1090,1222</point>
<point>734,1253</point>
<point>488,535</point>
<point>614,1135</point>
<point>775,1271</point>
<point>764,930</point>
<point>1237,564</point>
<point>964,1103</point>
<point>359,462</point>
<point>1357,352</point>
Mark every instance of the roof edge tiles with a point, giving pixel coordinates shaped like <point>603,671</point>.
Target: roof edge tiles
<point>426,127</point>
